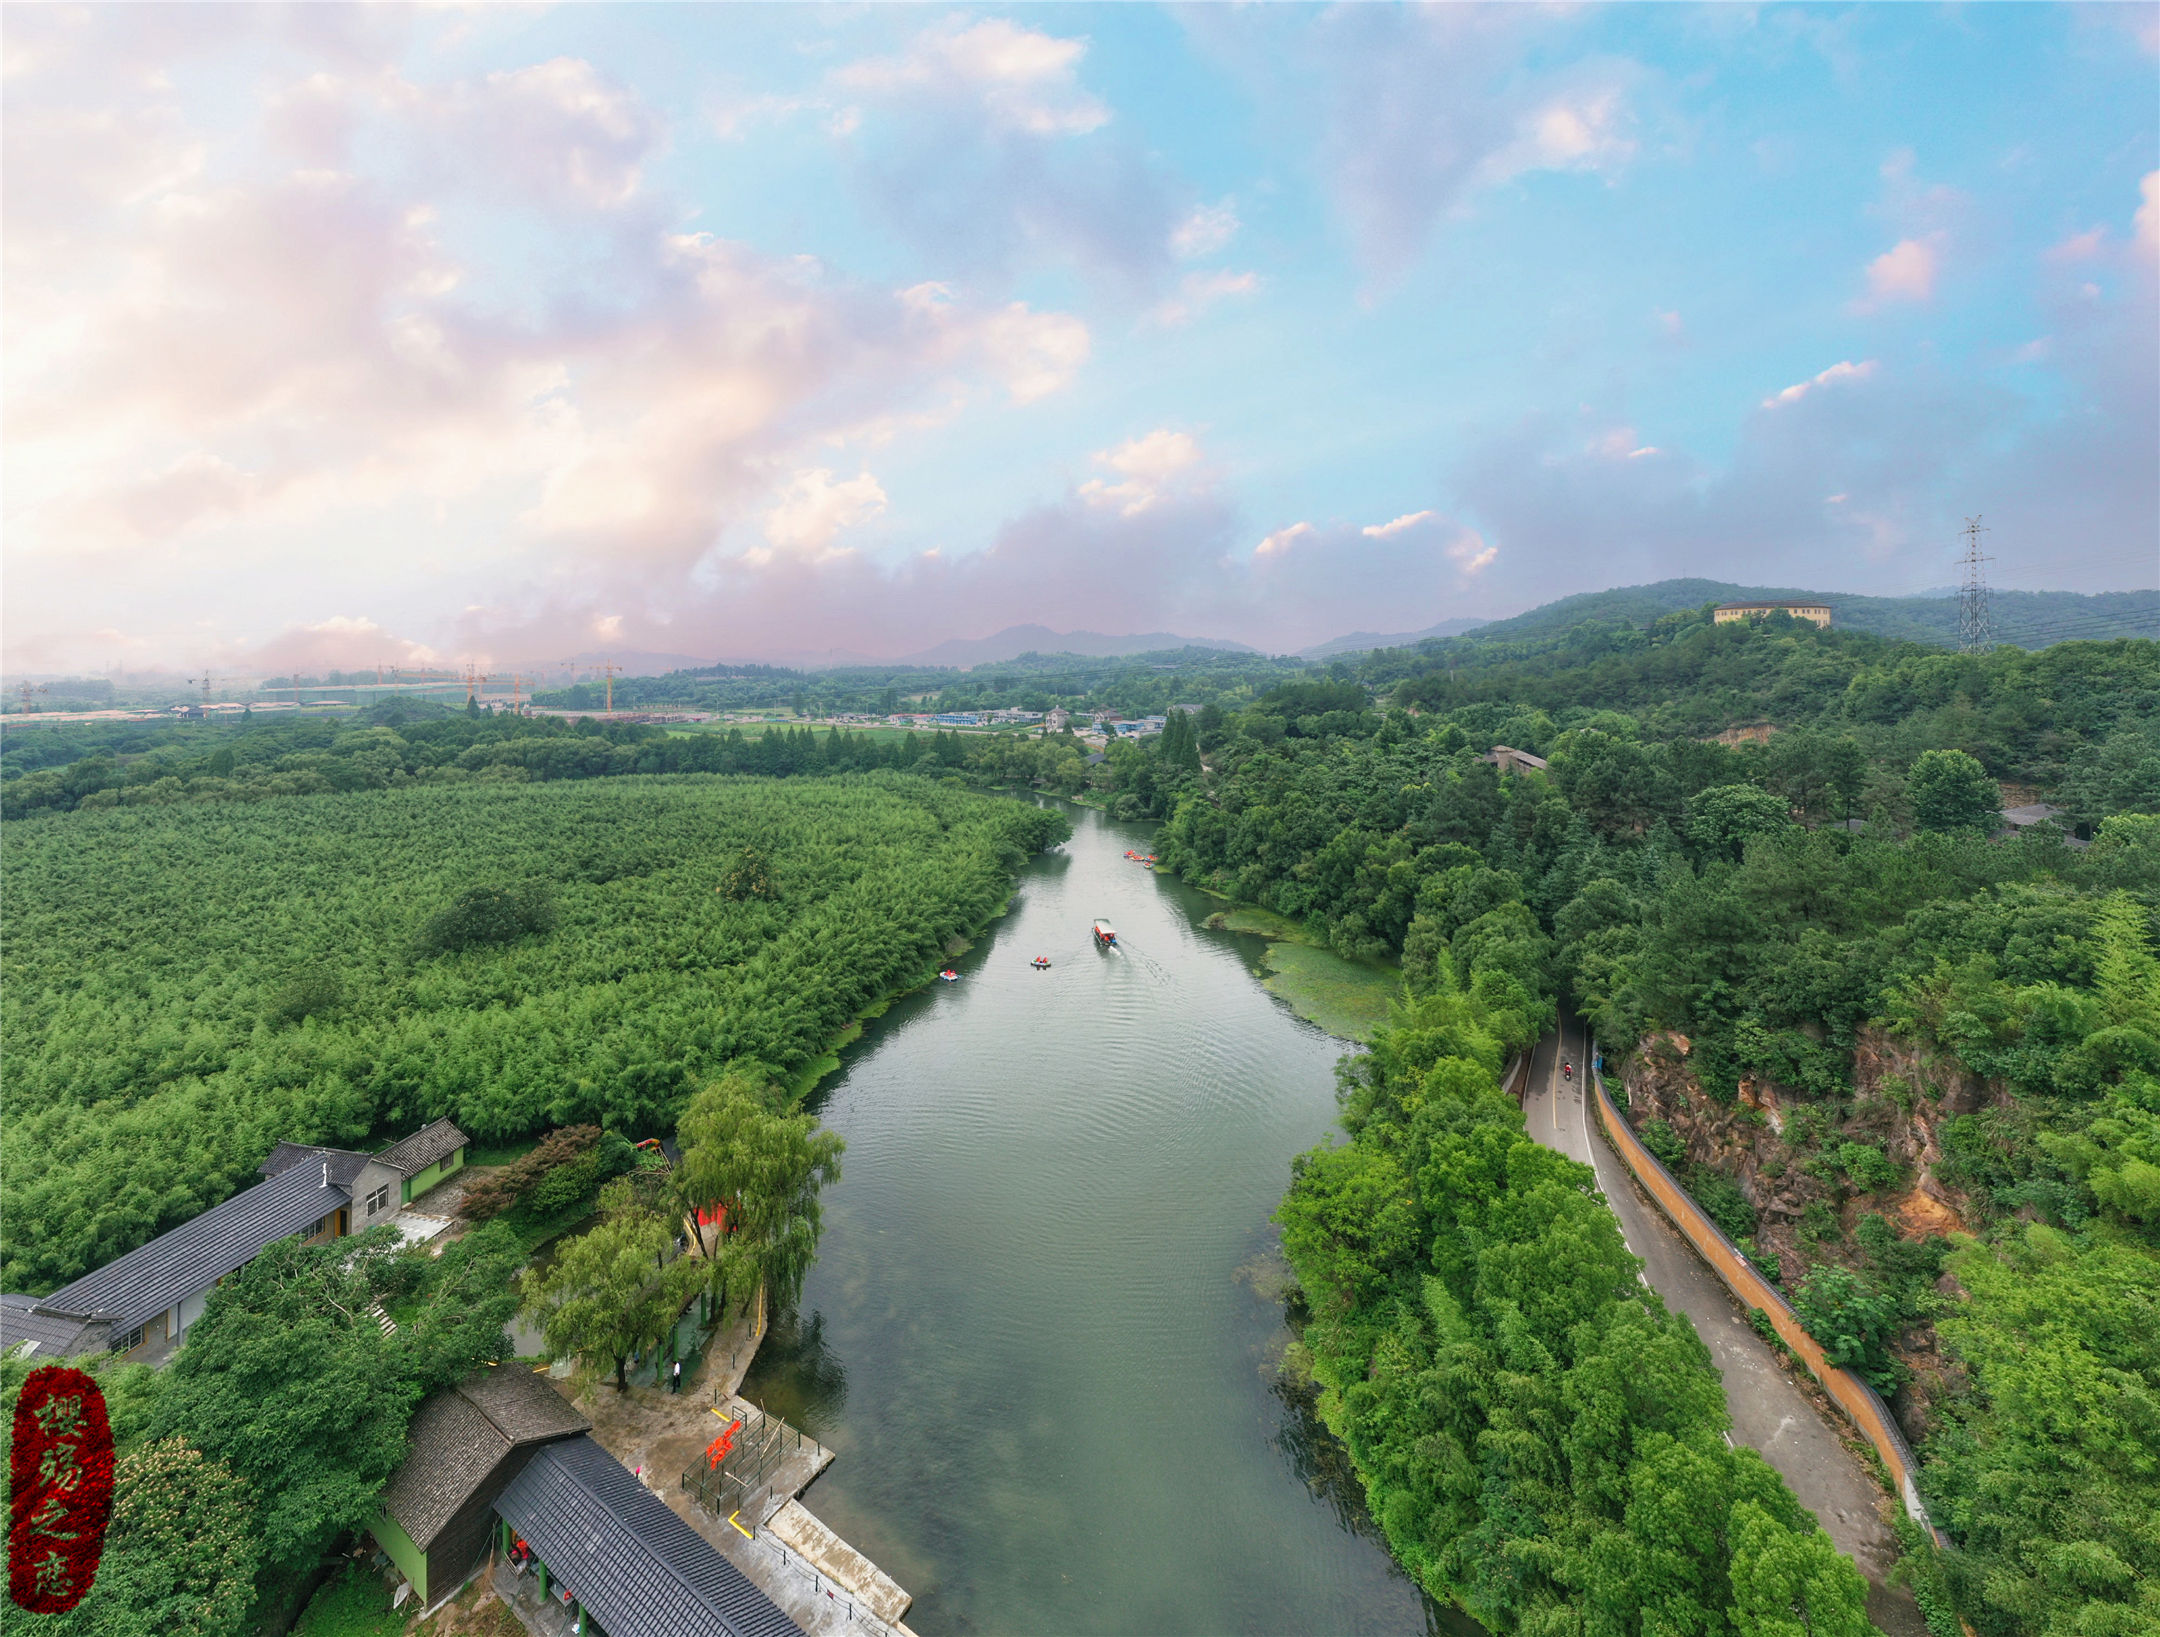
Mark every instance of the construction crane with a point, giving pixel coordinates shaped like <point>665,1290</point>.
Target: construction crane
<point>473,681</point>
<point>205,682</point>
<point>517,695</point>
<point>26,690</point>
<point>609,672</point>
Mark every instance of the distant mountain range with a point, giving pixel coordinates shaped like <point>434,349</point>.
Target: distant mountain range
<point>2024,619</point>
<point>1015,640</point>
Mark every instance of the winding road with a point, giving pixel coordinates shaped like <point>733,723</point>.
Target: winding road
<point>1769,1411</point>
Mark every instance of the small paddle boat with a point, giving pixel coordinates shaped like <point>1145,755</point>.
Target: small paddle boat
<point>1041,963</point>
<point>948,976</point>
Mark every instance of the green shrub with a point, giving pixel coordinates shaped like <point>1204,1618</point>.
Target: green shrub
<point>1659,1137</point>
<point>1854,1320</point>
<point>487,915</point>
<point>1868,1167</point>
<point>1723,1202</point>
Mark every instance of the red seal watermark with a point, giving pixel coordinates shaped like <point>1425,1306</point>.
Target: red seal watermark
<point>60,1489</point>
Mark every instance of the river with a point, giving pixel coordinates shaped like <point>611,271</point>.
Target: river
<point>1043,1326</point>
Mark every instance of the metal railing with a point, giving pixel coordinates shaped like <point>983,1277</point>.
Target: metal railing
<point>740,1482</point>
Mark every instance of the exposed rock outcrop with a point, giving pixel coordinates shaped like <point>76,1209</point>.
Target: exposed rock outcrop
<point>1781,1149</point>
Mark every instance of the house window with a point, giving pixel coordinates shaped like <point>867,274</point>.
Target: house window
<point>132,1340</point>
<point>379,1199</point>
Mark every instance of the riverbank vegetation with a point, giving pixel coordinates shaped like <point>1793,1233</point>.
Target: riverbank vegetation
<point>1906,1055</point>
<point>187,985</point>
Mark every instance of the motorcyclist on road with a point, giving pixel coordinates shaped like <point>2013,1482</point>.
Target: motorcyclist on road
<point>1567,1068</point>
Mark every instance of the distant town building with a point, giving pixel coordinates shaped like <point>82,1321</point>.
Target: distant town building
<point>1726,613</point>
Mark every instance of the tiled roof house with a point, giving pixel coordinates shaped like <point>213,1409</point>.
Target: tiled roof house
<point>144,1303</point>
<point>465,1445</point>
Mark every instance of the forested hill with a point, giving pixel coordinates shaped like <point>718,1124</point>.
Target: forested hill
<point>1910,1063</point>
<point>2023,619</point>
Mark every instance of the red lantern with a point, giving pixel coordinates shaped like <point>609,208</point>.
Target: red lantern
<point>60,1489</point>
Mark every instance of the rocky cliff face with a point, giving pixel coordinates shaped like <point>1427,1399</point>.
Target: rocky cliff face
<point>1812,1170</point>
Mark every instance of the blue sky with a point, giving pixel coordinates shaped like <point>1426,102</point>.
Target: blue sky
<point>768,331</point>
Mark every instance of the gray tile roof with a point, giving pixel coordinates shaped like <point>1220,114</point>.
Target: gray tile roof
<point>344,1163</point>
<point>452,1449</point>
<point>2032,813</point>
<point>461,1436</point>
<point>423,1148</point>
<point>51,1332</point>
<point>522,1405</point>
<point>198,1253</point>
<point>641,1570</point>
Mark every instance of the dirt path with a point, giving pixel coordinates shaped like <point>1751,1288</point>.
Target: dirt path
<point>1771,1412</point>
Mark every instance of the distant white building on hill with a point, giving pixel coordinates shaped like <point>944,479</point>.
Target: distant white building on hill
<point>1726,613</point>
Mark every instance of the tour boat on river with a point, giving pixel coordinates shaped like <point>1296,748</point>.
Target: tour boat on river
<point>1105,934</point>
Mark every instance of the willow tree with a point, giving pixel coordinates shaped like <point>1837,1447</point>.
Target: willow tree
<point>763,1169</point>
<point>613,1291</point>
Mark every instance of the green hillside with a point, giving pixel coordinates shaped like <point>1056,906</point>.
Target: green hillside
<point>2023,619</point>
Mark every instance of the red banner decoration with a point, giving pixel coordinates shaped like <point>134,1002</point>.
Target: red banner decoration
<point>60,1489</point>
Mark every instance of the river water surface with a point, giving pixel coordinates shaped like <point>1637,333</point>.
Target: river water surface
<point>1041,1333</point>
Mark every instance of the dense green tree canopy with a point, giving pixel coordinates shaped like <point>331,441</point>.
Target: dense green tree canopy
<point>185,986</point>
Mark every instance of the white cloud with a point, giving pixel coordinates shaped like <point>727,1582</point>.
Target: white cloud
<point>560,128</point>
<point>1025,80</point>
<point>344,642</point>
<point>1208,229</point>
<point>1424,107</point>
<point>1035,353</point>
<point>814,509</point>
<point>1471,555</point>
<point>1905,272</point>
<point>1197,292</point>
<point>1845,370</point>
<point>1282,540</point>
<point>1150,470</point>
<point>1579,130</point>
<point>1401,525</point>
<point>2078,247</point>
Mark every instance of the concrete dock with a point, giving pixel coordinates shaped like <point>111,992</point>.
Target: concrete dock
<point>815,1577</point>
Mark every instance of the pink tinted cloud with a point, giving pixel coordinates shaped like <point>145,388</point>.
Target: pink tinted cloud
<point>1149,542</point>
<point>292,351</point>
<point>1905,272</point>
